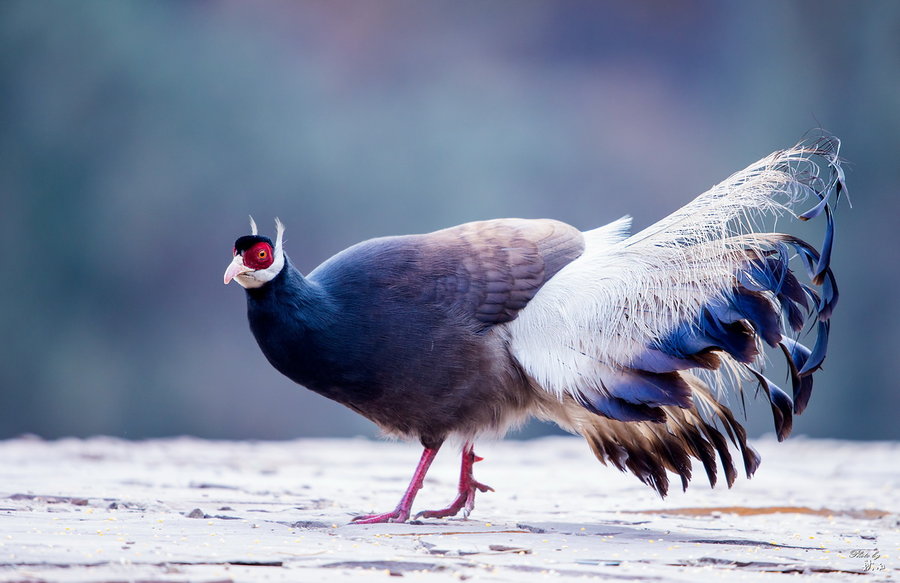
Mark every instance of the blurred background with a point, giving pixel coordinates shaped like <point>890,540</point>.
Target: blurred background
<point>136,137</point>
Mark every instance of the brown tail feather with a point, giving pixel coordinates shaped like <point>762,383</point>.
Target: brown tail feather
<point>649,450</point>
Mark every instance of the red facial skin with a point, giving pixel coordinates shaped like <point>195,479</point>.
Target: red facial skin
<point>259,256</point>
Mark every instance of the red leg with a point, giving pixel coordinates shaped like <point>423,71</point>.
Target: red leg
<point>401,512</point>
<point>465,499</point>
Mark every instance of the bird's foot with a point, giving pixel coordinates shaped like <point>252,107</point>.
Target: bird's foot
<point>464,501</point>
<point>399,514</point>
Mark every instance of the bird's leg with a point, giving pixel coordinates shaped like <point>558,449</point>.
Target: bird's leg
<point>465,499</point>
<point>401,512</point>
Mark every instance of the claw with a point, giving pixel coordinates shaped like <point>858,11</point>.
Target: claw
<point>461,502</point>
<point>397,515</point>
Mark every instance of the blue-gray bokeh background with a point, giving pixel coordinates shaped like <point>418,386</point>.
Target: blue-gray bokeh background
<point>136,137</point>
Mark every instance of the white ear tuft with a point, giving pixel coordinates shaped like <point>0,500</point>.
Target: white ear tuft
<point>253,230</point>
<point>279,235</point>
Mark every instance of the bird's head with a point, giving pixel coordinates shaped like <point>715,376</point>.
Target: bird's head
<point>256,260</point>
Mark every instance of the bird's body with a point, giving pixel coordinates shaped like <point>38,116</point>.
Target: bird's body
<point>427,303</point>
<point>472,329</point>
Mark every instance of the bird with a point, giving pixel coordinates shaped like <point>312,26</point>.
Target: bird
<point>637,342</point>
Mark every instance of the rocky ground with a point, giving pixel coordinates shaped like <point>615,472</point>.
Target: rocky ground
<point>104,510</point>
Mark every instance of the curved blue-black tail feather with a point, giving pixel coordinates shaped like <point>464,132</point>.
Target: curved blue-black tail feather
<point>767,300</point>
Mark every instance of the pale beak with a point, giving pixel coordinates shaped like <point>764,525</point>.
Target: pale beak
<point>235,268</point>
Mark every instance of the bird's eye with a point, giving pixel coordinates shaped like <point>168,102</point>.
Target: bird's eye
<point>258,256</point>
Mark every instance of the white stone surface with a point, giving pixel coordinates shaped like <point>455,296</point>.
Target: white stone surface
<point>103,510</point>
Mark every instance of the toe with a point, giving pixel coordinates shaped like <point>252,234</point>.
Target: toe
<point>395,516</point>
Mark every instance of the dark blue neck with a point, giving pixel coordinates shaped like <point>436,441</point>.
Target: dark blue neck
<point>290,317</point>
